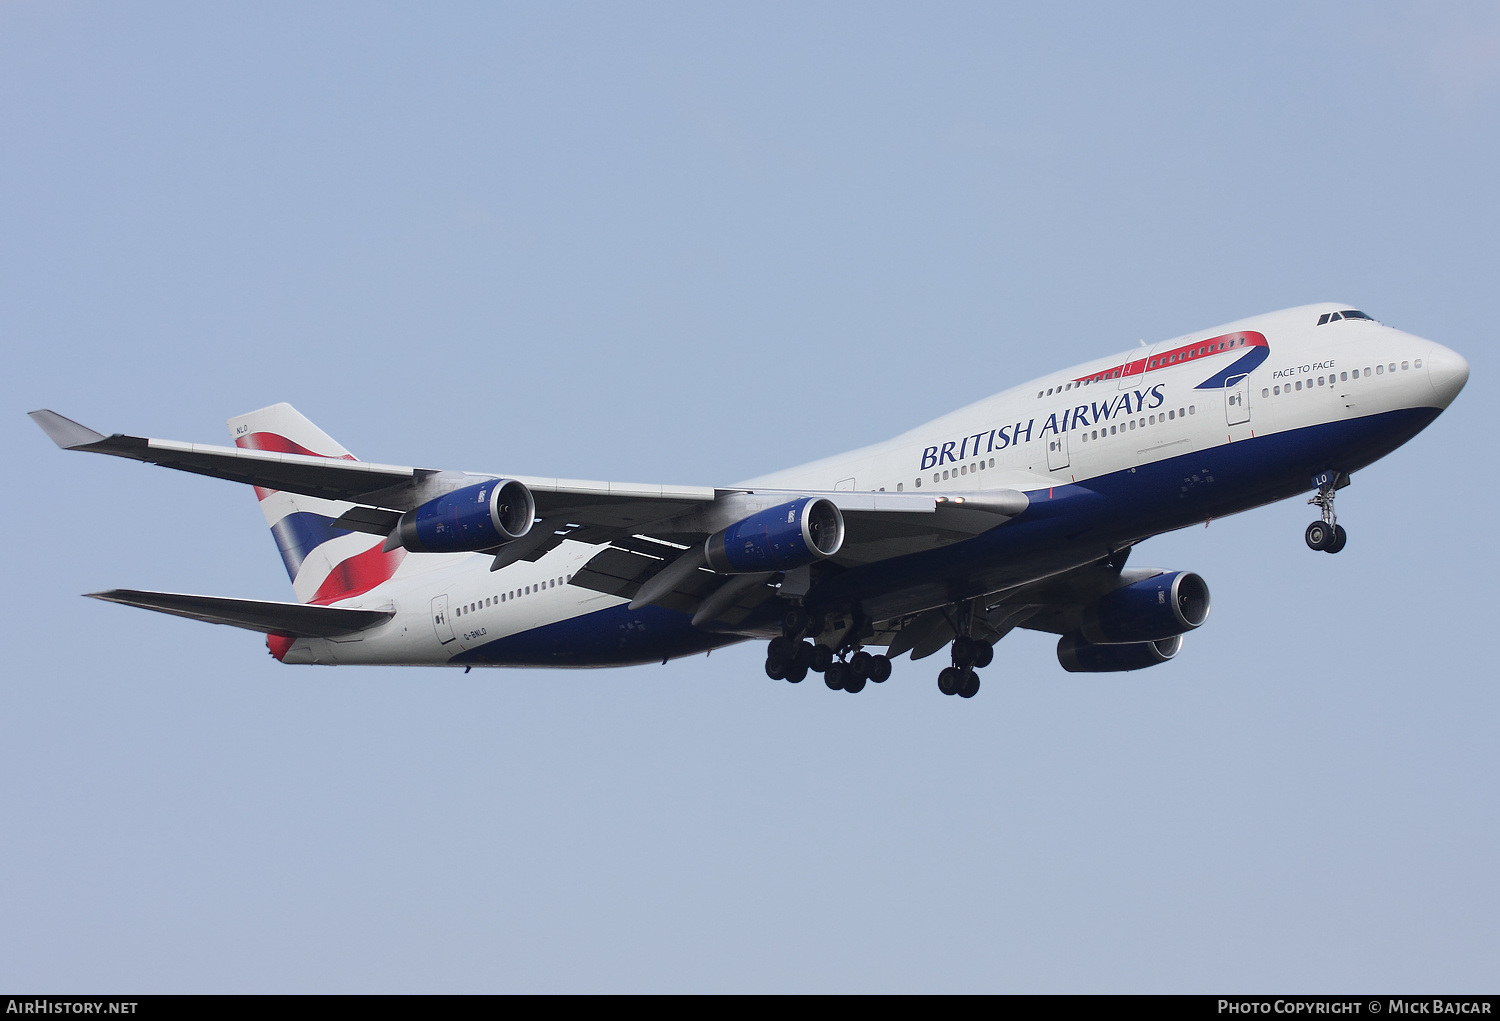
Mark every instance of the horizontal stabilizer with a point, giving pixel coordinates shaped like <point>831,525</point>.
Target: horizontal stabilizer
<point>296,620</point>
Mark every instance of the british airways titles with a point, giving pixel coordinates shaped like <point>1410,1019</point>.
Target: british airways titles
<point>1082,416</point>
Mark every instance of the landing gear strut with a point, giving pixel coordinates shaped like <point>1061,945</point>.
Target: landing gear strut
<point>1326,534</point>
<point>969,654</point>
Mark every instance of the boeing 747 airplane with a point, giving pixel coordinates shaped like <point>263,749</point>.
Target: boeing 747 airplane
<point>1020,510</point>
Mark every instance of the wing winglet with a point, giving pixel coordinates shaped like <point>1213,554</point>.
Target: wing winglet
<point>65,432</point>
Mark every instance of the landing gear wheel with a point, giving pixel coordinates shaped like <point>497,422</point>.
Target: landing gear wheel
<point>836,676</point>
<point>783,649</point>
<point>984,655</point>
<point>855,684</point>
<point>1340,537</point>
<point>796,674</point>
<point>970,686</point>
<point>861,665</point>
<point>1318,535</point>
<point>822,658</point>
<point>776,669</point>
<point>794,622</point>
<point>964,651</point>
<point>880,669</point>
<point>949,680</point>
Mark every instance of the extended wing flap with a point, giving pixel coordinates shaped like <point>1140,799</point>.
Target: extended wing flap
<point>296,620</point>
<point>622,572</point>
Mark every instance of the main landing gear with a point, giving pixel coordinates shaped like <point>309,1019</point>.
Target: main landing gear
<point>790,657</point>
<point>1327,535</point>
<point>969,654</point>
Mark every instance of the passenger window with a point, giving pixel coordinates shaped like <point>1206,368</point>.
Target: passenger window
<point>917,483</point>
<point>992,462</point>
<point>1132,423</point>
<point>1264,392</point>
<point>1379,369</point>
<point>1343,377</point>
<point>1277,389</point>
<point>1320,380</point>
<point>901,487</point>
<point>1417,364</point>
<point>1111,430</point>
<point>1403,366</point>
<point>1299,384</point>
<point>1393,366</point>
<point>1192,409</point>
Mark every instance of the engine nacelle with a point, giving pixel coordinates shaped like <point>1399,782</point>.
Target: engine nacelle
<point>779,539</point>
<point>1079,656</point>
<point>474,518</point>
<point>1161,607</point>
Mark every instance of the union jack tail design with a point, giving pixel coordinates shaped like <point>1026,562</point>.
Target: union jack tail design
<point>326,564</point>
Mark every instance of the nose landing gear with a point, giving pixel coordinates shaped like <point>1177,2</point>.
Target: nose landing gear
<point>1326,534</point>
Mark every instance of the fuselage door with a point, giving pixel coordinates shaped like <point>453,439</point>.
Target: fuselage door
<point>1057,451</point>
<point>440,622</point>
<point>1237,399</point>
<point>1133,374</point>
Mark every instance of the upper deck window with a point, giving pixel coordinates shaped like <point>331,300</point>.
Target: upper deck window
<point>1348,313</point>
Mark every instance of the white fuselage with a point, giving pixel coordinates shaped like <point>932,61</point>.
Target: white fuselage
<point>1070,427</point>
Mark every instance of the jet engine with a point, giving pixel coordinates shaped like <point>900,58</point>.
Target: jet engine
<point>478,517</point>
<point>1160,607</point>
<point>1080,656</point>
<point>779,539</point>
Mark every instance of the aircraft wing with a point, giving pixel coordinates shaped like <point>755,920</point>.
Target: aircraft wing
<point>297,620</point>
<point>379,486</point>
<point>880,525</point>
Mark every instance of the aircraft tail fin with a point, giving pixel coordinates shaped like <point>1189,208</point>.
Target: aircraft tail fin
<point>326,563</point>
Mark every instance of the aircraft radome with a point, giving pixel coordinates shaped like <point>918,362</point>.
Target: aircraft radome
<point>1017,511</point>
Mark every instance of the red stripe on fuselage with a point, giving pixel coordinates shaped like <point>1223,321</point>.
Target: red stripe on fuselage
<point>1224,344</point>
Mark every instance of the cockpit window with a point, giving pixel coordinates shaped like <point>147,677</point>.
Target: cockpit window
<point>1348,313</point>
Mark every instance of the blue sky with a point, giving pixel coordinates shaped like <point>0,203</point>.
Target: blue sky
<point>694,243</point>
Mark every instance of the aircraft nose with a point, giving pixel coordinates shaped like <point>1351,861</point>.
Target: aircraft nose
<point>1448,371</point>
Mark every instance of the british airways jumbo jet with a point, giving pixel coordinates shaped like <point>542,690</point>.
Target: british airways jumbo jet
<point>1017,511</point>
